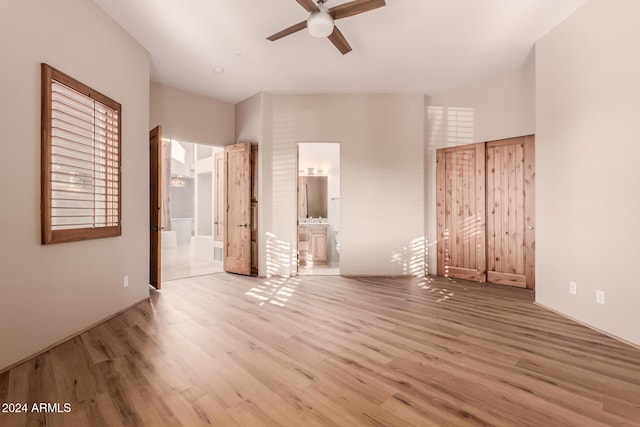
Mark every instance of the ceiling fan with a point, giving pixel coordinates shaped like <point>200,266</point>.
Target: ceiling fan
<point>320,22</point>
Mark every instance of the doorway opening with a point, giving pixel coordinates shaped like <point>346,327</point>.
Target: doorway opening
<point>191,245</point>
<point>319,235</point>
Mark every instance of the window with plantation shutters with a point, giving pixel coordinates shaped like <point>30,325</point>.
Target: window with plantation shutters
<point>81,158</point>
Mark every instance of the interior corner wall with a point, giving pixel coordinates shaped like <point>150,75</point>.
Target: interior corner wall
<point>587,175</point>
<point>248,123</point>
<point>381,173</point>
<point>253,123</point>
<point>189,117</point>
<point>499,107</point>
<point>50,292</point>
<point>429,196</point>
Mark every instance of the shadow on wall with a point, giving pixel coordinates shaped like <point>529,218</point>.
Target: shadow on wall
<point>278,287</point>
<point>281,257</point>
<point>413,258</point>
<point>451,126</point>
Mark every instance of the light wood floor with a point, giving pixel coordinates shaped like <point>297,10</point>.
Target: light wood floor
<point>317,351</point>
<point>178,263</point>
<point>319,270</point>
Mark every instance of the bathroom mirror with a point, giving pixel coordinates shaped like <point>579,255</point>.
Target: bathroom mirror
<point>312,196</point>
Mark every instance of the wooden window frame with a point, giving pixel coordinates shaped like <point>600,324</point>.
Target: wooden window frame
<point>49,75</point>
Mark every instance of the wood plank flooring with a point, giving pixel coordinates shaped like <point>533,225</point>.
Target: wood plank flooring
<point>178,263</point>
<point>228,350</point>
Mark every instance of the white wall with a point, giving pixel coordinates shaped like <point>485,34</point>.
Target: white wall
<point>253,123</point>
<point>186,167</point>
<point>249,119</point>
<point>50,292</point>
<point>189,117</point>
<point>499,107</point>
<point>382,148</point>
<point>587,175</point>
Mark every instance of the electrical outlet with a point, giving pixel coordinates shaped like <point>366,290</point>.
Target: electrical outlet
<point>600,297</point>
<point>126,281</point>
<point>573,288</point>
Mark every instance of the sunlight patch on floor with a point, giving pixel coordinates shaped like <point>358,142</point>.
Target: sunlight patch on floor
<point>274,290</point>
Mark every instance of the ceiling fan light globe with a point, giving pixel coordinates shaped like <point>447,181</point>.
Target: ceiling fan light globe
<point>320,24</point>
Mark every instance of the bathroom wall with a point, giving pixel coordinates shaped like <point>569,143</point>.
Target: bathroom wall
<point>182,158</point>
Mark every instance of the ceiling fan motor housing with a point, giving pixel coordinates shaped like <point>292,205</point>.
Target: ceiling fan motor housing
<point>320,23</point>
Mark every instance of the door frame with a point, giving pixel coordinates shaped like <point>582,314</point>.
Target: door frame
<point>155,207</point>
<point>297,193</point>
<point>159,187</point>
<point>529,206</point>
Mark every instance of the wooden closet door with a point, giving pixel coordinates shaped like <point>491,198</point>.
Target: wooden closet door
<point>510,212</point>
<point>460,182</point>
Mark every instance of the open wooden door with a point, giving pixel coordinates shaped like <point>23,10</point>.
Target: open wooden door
<point>237,213</point>
<point>155,205</point>
<point>511,212</point>
<point>254,210</point>
<point>460,182</point>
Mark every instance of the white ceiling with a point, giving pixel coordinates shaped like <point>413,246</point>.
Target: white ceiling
<point>409,46</point>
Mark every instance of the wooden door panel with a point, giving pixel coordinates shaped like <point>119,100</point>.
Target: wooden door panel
<point>237,219</point>
<point>254,210</point>
<point>460,182</point>
<point>155,206</point>
<point>509,196</point>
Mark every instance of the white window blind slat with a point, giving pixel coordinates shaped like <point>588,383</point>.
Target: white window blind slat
<point>71,195</point>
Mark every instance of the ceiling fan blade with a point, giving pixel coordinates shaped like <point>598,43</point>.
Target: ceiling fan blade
<point>354,8</point>
<point>292,29</point>
<point>338,40</point>
<point>309,5</point>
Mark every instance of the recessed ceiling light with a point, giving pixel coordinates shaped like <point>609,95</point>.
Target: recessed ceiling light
<point>218,70</point>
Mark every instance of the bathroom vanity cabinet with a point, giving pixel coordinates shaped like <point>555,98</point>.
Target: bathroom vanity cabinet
<point>312,244</point>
